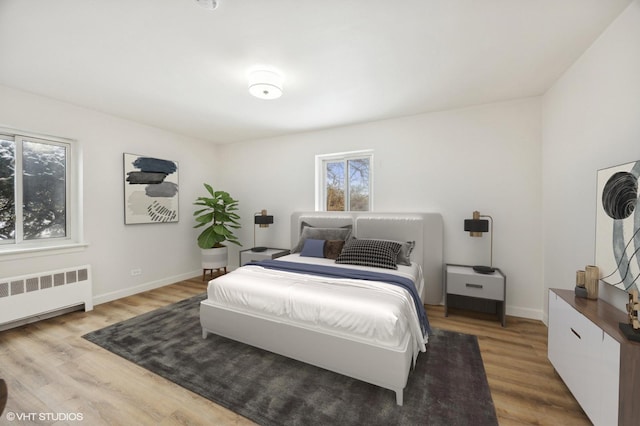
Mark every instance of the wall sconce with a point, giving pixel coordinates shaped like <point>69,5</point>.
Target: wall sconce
<point>476,227</point>
<point>263,221</point>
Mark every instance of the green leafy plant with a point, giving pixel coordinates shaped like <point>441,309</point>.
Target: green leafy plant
<point>219,218</point>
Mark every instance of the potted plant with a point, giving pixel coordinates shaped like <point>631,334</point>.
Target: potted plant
<point>219,219</point>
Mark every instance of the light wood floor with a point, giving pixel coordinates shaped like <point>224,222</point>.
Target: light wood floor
<point>50,368</point>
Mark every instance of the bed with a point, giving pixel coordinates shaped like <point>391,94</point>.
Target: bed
<point>355,325</point>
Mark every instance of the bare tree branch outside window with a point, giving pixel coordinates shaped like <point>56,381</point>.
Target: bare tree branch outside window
<point>347,184</point>
<point>42,188</point>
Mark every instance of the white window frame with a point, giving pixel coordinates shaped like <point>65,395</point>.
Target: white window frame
<point>73,241</point>
<point>321,176</point>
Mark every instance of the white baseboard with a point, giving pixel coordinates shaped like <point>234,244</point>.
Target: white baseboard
<point>119,294</point>
<point>529,313</point>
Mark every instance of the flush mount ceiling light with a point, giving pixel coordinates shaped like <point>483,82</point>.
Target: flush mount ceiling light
<point>265,84</point>
<point>208,4</point>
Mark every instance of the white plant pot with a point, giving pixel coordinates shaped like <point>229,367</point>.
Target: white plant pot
<point>215,258</point>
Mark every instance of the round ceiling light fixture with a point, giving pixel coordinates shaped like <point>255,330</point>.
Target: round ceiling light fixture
<point>265,84</point>
<point>208,4</point>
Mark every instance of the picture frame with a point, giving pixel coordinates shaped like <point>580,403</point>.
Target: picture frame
<point>618,225</point>
<point>151,190</point>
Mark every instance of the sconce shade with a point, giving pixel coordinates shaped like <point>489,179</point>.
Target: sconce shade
<point>476,225</point>
<point>263,219</point>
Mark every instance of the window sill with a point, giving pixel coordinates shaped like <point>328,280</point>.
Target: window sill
<point>15,253</point>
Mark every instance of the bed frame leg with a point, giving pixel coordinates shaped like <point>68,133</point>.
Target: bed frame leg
<point>399,395</point>
<point>205,333</point>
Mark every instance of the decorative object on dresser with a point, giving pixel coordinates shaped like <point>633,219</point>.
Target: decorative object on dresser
<point>476,227</point>
<point>263,220</point>
<point>617,218</point>
<point>591,280</point>
<point>150,190</point>
<point>468,289</point>
<point>580,290</point>
<point>594,359</point>
<point>631,329</point>
<point>219,218</point>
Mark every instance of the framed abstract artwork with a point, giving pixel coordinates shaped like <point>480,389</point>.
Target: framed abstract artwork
<point>618,225</point>
<point>150,190</point>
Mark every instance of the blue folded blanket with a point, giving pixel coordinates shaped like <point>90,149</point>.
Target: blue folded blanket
<point>336,272</point>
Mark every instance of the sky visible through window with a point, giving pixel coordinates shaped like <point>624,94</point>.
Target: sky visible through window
<point>347,184</point>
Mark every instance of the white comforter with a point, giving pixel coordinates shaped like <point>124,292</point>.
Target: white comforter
<point>369,311</point>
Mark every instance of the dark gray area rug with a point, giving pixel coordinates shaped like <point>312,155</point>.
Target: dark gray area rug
<point>447,387</point>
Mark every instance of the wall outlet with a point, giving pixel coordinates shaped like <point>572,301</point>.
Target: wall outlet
<point>136,272</point>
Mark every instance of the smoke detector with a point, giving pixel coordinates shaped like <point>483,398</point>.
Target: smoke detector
<point>208,4</point>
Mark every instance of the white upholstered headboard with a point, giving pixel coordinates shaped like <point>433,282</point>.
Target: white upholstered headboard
<point>426,229</point>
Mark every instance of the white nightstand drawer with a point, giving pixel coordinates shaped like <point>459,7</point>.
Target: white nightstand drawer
<point>483,286</point>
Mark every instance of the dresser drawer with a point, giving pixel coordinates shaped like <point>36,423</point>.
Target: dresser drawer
<point>476,285</point>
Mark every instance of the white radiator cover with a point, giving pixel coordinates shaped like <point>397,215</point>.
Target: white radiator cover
<point>33,295</point>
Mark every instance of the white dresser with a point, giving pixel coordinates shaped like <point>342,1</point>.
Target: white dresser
<point>594,359</point>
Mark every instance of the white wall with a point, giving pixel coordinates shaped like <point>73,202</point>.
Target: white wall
<point>486,158</point>
<point>165,252</point>
<point>591,120</point>
<point>499,159</point>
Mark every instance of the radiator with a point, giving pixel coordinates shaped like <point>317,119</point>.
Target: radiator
<point>29,297</point>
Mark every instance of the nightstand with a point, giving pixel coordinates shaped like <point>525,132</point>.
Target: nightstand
<point>485,292</point>
<point>247,255</point>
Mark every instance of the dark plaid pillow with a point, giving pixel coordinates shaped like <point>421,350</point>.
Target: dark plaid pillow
<point>376,253</point>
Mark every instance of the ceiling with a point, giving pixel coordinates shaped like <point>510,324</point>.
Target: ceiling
<point>175,65</point>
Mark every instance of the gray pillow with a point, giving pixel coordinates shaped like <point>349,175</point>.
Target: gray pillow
<point>321,234</point>
<point>404,256</point>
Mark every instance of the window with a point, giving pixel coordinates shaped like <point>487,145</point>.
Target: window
<point>344,181</point>
<point>35,191</point>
